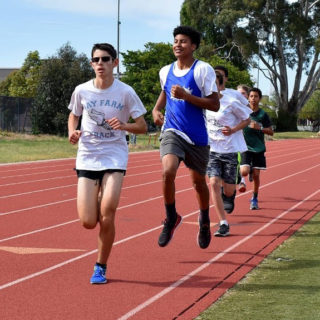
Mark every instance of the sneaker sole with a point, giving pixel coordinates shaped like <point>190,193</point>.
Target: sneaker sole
<point>199,243</point>
<point>92,282</point>
<point>178,225</point>
<point>220,235</point>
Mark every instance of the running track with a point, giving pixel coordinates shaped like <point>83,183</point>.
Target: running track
<point>47,257</point>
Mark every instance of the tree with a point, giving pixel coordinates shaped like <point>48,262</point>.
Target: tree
<point>311,110</point>
<point>282,34</point>
<point>142,72</point>
<point>216,25</point>
<point>58,77</point>
<point>23,82</point>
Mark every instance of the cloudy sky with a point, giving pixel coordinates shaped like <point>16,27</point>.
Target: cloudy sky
<point>46,25</point>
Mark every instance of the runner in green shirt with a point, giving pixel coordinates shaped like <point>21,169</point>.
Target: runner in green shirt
<point>253,160</point>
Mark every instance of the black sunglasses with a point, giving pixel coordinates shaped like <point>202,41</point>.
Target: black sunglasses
<point>104,59</point>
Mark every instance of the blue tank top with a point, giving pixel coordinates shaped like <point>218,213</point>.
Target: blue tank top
<point>181,115</point>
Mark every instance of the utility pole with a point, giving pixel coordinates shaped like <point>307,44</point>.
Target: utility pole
<point>118,40</point>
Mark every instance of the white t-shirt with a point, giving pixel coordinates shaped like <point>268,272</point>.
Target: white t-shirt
<point>231,113</point>
<point>101,147</point>
<point>236,95</point>
<point>204,76</point>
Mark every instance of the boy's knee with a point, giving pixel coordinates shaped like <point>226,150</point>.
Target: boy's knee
<point>88,224</point>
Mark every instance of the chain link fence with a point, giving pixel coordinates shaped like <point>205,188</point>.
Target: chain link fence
<point>311,122</point>
<point>15,114</point>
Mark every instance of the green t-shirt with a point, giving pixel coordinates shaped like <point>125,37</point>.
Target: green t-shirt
<point>255,138</point>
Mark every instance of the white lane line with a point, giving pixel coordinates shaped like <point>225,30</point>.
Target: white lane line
<point>209,262</point>
<point>36,274</point>
<point>150,199</point>
<point>39,230</point>
<point>174,285</point>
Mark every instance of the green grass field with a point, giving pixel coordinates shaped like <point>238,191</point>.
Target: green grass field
<point>23,147</point>
<point>285,286</point>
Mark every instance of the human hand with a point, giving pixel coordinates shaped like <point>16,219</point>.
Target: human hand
<point>115,124</point>
<point>178,92</point>
<point>158,117</point>
<point>227,131</point>
<point>74,136</point>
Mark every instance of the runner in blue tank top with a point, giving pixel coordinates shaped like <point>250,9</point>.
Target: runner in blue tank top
<point>188,89</point>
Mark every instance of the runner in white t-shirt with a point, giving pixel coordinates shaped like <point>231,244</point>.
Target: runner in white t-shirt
<point>105,104</point>
<point>226,142</point>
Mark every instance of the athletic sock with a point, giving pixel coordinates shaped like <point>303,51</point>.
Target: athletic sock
<point>243,180</point>
<point>171,212</point>
<point>102,265</point>
<point>255,195</point>
<point>204,216</point>
<point>224,222</point>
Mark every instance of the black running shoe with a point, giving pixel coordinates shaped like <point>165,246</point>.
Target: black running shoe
<point>204,236</point>
<point>228,202</point>
<point>168,230</point>
<point>223,231</point>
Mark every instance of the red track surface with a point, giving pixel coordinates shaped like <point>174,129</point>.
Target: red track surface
<point>38,214</point>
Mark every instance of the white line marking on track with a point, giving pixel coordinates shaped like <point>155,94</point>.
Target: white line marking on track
<point>209,262</point>
<point>174,285</point>
<point>130,205</point>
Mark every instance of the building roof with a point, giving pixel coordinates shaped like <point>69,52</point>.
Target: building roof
<point>4,72</point>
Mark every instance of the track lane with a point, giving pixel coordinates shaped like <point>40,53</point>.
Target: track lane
<point>131,253</point>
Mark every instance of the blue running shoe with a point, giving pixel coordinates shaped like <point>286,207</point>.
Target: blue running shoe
<point>254,204</point>
<point>99,275</point>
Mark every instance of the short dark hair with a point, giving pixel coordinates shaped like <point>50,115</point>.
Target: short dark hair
<point>219,77</point>
<point>105,47</point>
<point>223,68</point>
<point>193,34</point>
<point>256,90</point>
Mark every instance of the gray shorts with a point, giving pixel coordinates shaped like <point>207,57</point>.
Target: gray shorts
<point>194,157</point>
<point>224,165</point>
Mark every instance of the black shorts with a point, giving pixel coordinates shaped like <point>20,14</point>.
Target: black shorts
<point>224,166</point>
<point>194,157</point>
<point>96,175</point>
<point>256,160</point>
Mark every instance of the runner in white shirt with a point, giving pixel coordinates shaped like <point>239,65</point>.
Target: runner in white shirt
<point>226,142</point>
<point>228,91</point>
<point>105,104</point>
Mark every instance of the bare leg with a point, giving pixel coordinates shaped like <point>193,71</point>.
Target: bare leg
<point>170,165</point>
<point>110,196</point>
<point>215,186</point>
<point>201,188</point>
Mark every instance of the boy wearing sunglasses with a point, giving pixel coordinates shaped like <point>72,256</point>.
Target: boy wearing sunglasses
<point>188,89</point>
<point>105,104</point>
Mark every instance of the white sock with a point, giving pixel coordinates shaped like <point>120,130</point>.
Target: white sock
<point>224,222</point>
<point>243,180</point>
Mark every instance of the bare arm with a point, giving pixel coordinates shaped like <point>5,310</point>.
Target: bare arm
<point>139,125</point>
<point>227,131</point>
<point>210,102</point>
<point>257,126</point>
<point>73,133</point>
<point>156,112</point>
